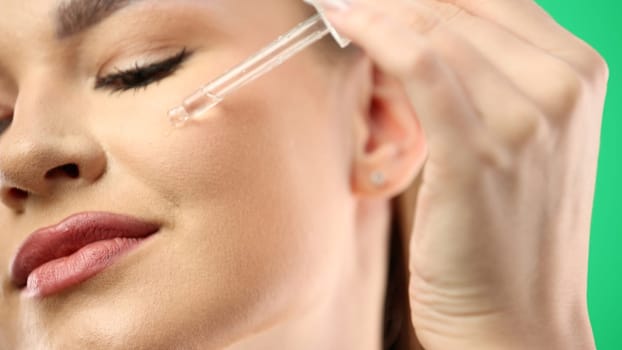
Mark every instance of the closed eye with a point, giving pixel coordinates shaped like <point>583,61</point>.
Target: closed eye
<point>141,76</point>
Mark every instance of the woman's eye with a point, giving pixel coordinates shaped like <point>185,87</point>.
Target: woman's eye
<point>141,76</point>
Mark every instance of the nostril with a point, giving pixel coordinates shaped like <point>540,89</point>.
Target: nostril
<point>18,194</point>
<point>14,198</point>
<point>68,170</point>
<point>72,170</point>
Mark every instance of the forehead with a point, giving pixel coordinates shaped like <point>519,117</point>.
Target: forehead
<point>66,17</point>
<point>27,21</point>
<point>37,24</point>
<point>30,29</point>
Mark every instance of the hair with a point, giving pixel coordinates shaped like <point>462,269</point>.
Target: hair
<point>399,333</point>
<point>396,305</point>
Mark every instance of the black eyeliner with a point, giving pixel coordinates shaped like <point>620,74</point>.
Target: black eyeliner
<point>138,77</point>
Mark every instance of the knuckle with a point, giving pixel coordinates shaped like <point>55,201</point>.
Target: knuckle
<point>600,70</point>
<point>422,61</point>
<point>429,53</point>
<point>521,126</point>
<point>563,92</point>
<point>526,130</point>
<point>594,65</point>
<point>493,154</point>
<point>425,60</point>
<point>521,129</point>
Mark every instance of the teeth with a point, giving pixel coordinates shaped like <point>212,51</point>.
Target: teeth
<point>341,4</point>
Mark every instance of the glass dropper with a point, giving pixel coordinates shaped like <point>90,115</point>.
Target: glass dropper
<point>302,36</point>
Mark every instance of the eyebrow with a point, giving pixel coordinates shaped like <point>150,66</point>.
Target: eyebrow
<point>75,16</point>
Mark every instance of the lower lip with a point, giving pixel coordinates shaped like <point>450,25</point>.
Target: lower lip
<point>63,273</point>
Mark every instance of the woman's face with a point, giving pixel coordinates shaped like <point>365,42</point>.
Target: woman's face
<point>253,204</point>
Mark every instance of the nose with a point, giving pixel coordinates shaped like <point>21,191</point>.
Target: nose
<point>44,156</point>
<point>38,166</point>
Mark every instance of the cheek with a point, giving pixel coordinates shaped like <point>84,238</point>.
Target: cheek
<point>261,200</point>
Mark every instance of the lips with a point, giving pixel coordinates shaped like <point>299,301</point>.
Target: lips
<point>61,256</point>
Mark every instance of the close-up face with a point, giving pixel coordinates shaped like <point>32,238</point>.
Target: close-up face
<point>295,174</point>
<point>250,210</point>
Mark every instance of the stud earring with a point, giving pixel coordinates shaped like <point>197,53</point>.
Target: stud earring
<point>377,178</point>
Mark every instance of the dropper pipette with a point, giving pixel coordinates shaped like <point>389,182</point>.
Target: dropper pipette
<point>302,36</point>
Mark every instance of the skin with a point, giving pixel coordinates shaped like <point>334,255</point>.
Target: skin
<point>512,114</point>
<point>261,238</point>
<point>273,235</point>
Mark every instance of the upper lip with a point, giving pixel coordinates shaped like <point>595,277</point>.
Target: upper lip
<point>70,235</point>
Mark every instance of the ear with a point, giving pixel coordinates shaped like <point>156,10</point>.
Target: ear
<point>390,147</point>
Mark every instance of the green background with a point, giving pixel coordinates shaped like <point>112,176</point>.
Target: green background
<point>599,23</point>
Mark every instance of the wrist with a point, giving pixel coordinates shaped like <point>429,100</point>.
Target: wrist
<point>571,335</point>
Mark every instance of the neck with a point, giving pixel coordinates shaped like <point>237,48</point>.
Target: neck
<point>351,314</point>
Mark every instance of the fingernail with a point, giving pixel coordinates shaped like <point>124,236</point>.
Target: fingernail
<point>336,5</point>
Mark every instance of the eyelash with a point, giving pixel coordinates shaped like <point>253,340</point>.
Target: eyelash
<point>141,77</point>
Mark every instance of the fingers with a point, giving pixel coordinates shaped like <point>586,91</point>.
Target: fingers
<point>521,20</point>
<point>437,97</point>
<point>464,102</point>
<point>506,110</point>
<point>524,18</point>
<point>521,62</point>
<point>543,78</point>
<point>444,109</point>
<point>527,20</point>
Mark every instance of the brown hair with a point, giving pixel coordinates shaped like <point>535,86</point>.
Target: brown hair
<point>396,317</point>
<point>399,333</point>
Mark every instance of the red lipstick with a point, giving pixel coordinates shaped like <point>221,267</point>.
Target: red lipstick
<point>58,257</point>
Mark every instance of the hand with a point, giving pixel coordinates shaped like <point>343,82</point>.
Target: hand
<point>511,105</point>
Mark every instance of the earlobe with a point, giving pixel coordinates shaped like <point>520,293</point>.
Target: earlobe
<point>390,146</point>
